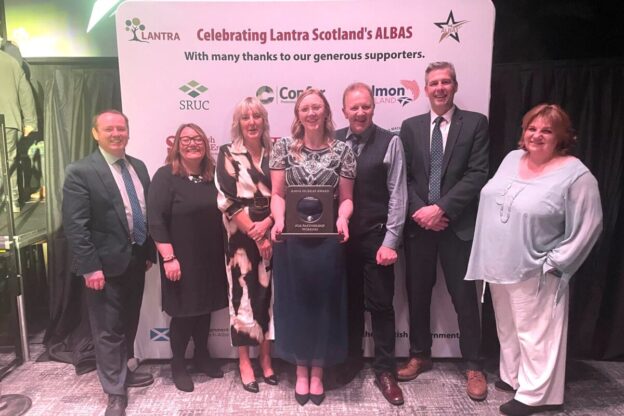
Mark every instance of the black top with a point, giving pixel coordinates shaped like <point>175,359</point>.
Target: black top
<point>185,214</point>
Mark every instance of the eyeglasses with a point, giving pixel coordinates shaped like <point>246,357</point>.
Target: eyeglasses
<point>186,140</point>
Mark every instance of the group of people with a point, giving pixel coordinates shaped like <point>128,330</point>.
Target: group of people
<point>219,231</point>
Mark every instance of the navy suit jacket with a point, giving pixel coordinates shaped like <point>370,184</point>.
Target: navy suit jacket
<point>94,216</point>
<point>464,168</point>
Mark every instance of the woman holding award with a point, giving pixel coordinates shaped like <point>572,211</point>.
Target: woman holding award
<point>244,193</point>
<point>309,272</point>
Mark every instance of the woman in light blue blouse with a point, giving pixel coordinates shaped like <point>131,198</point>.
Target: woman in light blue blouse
<point>539,217</point>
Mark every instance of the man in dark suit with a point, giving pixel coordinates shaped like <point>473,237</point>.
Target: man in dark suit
<point>446,152</point>
<point>380,202</point>
<point>104,219</point>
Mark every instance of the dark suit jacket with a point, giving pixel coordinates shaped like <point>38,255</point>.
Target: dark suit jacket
<point>94,217</point>
<point>464,167</point>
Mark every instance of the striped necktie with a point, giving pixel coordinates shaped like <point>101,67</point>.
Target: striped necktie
<point>139,231</point>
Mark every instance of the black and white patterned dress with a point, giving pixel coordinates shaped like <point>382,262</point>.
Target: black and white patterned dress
<point>309,273</point>
<point>249,277</point>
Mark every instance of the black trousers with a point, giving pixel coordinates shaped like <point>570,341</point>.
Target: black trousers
<point>370,287</point>
<point>422,248</point>
<point>114,317</point>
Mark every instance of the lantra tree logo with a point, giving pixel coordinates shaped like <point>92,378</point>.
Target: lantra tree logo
<point>450,28</point>
<point>134,25</point>
<point>194,89</point>
<point>139,34</point>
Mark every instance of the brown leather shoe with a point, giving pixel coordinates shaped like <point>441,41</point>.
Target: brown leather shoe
<point>476,386</point>
<point>413,367</point>
<point>389,388</point>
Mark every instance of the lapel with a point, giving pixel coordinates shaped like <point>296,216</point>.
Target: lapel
<point>424,141</point>
<point>103,171</point>
<point>453,135</point>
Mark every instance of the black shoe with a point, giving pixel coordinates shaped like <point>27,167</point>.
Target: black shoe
<point>500,385</point>
<point>251,387</point>
<point>271,380</point>
<point>207,366</point>
<point>302,398</point>
<point>516,408</point>
<point>117,404</point>
<point>317,399</point>
<point>136,379</point>
<point>181,377</point>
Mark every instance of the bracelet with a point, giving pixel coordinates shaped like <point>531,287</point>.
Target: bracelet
<point>168,258</point>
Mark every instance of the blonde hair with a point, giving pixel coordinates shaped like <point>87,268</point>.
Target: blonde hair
<point>243,107</point>
<point>298,130</point>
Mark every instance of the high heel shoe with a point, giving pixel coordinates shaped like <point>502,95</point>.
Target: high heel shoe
<point>302,398</point>
<point>251,387</point>
<point>317,399</point>
<point>271,380</point>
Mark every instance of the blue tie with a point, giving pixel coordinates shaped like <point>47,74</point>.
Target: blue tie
<point>437,154</point>
<point>139,232</point>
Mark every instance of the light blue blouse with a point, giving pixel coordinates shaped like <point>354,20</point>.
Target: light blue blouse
<point>528,227</point>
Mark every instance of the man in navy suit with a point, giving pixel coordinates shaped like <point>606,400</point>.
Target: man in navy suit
<point>104,215</point>
<point>447,165</point>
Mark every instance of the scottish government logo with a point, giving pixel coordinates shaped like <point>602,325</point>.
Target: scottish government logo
<point>197,92</point>
<point>451,27</point>
<point>159,334</point>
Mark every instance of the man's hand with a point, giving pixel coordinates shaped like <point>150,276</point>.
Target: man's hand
<point>95,280</point>
<point>28,130</point>
<point>431,218</point>
<point>386,256</point>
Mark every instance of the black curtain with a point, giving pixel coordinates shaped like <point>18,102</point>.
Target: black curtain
<point>69,93</point>
<point>593,94</point>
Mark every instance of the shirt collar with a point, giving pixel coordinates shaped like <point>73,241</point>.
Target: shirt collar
<point>110,159</point>
<point>446,116</point>
<point>365,135</point>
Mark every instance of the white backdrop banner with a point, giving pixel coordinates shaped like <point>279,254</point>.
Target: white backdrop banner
<point>185,62</point>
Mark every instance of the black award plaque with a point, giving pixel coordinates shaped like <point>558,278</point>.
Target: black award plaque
<point>310,211</point>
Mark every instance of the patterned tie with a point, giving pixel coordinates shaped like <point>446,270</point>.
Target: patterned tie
<point>356,143</point>
<point>437,154</point>
<point>139,232</point>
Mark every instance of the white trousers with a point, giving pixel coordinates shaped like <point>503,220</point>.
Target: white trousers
<point>533,339</point>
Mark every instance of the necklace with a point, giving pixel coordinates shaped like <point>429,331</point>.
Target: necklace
<point>195,178</point>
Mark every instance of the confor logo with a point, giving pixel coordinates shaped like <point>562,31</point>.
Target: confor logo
<point>265,94</point>
<point>193,89</point>
<point>133,25</point>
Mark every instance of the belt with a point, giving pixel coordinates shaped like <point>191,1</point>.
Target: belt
<point>256,202</point>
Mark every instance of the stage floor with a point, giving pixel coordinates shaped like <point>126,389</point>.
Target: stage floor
<point>593,388</point>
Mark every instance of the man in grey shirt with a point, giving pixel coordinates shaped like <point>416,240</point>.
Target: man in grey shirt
<point>380,206</point>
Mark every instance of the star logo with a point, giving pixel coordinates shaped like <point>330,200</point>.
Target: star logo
<point>450,27</point>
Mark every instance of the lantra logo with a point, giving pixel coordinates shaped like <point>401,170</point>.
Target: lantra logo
<point>394,95</point>
<point>194,89</point>
<point>139,34</point>
<point>451,27</point>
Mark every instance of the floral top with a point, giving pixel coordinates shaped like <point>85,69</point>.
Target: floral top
<point>315,167</point>
<point>528,227</point>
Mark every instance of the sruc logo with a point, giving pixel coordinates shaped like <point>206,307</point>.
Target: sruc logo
<point>391,95</point>
<point>194,89</point>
